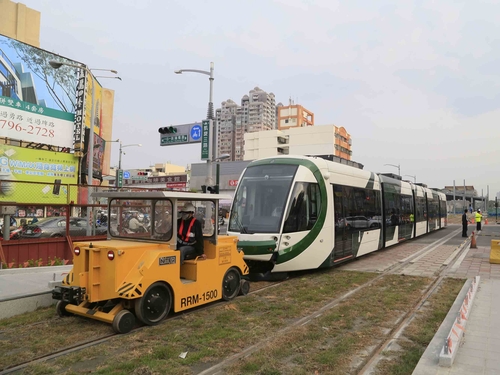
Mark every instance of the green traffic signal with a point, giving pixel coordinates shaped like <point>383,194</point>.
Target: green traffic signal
<point>167,130</point>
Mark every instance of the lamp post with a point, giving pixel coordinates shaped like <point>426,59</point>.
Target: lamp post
<point>396,166</point>
<point>121,152</point>
<point>80,164</point>
<point>210,113</point>
<point>414,177</point>
<point>90,172</point>
<point>217,167</point>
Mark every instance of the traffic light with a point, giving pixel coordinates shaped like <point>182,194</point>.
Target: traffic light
<point>213,189</point>
<point>167,130</point>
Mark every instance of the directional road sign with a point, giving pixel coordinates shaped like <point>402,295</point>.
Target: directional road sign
<point>186,133</point>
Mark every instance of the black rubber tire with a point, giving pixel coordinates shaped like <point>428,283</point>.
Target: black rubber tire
<point>154,305</point>
<point>123,322</point>
<point>61,309</point>
<point>244,287</point>
<point>231,284</point>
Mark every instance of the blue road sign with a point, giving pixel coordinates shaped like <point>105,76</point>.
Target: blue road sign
<point>126,174</point>
<point>196,132</point>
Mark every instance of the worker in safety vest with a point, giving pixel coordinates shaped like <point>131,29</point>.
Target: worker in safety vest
<point>412,218</point>
<point>479,218</point>
<point>189,234</point>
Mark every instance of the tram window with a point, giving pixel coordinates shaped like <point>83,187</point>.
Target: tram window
<point>304,207</point>
<point>420,209</point>
<point>356,208</point>
<point>260,199</point>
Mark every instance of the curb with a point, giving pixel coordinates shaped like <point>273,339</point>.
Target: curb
<point>55,269</point>
<point>23,304</point>
<point>452,341</point>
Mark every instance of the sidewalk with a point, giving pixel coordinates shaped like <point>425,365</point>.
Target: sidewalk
<point>479,352</point>
<point>26,289</point>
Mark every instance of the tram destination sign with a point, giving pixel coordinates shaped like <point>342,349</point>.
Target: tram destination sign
<point>181,134</point>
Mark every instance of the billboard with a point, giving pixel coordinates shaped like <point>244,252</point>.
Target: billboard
<point>37,102</point>
<point>43,105</point>
<point>52,170</point>
<point>98,160</point>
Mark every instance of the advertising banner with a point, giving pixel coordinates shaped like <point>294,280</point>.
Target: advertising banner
<point>38,102</point>
<point>52,170</point>
<point>31,123</point>
<point>97,105</point>
<point>98,150</point>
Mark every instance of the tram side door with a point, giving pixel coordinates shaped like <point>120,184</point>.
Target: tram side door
<point>344,226</point>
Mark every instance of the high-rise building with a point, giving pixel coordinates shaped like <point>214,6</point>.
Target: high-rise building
<point>293,116</point>
<point>257,112</point>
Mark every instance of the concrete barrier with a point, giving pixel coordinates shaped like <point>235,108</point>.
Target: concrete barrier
<point>452,341</point>
<point>20,305</point>
<point>495,252</point>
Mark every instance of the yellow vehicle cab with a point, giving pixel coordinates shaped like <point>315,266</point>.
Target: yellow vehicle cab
<point>137,272</point>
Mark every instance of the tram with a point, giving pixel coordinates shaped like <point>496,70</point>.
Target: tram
<point>136,274</point>
<point>294,213</point>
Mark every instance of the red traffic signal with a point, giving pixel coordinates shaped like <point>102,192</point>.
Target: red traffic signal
<point>167,130</point>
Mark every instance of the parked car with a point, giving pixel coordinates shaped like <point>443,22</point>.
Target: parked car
<point>56,227</point>
<point>360,222</point>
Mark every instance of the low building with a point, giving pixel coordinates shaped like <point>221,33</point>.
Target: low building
<point>310,140</point>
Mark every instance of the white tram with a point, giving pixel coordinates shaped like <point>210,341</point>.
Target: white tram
<point>295,213</point>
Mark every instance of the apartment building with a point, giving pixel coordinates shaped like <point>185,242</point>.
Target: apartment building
<point>293,116</point>
<point>257,112</point>
<point>309,140</point>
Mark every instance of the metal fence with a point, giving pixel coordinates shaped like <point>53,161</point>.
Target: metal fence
<point>49,217</point>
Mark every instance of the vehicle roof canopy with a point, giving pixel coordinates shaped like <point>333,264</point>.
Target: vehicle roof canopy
<point>160,195</point>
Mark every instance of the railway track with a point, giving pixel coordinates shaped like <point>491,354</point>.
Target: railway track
<point>260,287</point>
<point>374,356</point>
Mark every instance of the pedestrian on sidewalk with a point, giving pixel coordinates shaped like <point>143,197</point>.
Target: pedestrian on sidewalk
<point>465,222</point>
<point>479,218</point>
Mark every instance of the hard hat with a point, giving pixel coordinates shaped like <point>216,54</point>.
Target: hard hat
<point>478,210</point>
<point>188,208</point>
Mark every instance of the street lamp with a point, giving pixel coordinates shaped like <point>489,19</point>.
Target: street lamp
<point>121,152</point>
<point>210,112</point>
<point>396,166</point>
<point>90,172</point>
<point>414,177</point>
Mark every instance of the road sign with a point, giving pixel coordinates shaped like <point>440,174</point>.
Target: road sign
<point>174,139</point>
<point>233,182</point>
<point>205,140</point>
<point>119,178</point>
<point>196,132</point>
<point>185,133</point>
<point>126,174</point>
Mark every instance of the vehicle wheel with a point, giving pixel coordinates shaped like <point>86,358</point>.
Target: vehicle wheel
<point>155,305</point>
<point>61,309</point>
<point>230,284</point>
<point>244,287</point>
<point>123,322</point>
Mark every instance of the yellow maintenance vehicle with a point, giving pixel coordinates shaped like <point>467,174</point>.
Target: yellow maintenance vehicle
<point>137,272</point>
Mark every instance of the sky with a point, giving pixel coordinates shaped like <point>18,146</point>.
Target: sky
<point>415,83</point>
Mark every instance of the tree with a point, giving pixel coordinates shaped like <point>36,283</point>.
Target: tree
<point>61,83</point>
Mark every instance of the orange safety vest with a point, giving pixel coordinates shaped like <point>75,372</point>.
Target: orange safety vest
<point>185,238</point>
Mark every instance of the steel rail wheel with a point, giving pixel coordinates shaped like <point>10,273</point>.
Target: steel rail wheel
<point>123,322</point>
<point>230,284</point>
<point>155,305</point>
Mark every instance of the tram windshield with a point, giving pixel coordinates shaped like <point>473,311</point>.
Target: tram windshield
<point>260,199</point>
